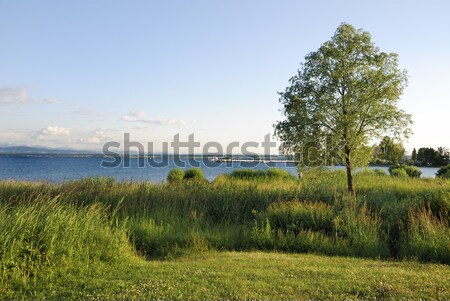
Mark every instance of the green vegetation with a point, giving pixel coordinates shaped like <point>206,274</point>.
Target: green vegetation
<point>271,173</point>
<point>388,151</point>
<point>430,157</point>
<point>252,276</point>
<point>176,175</point>
<point>444,172</point>
<point>344,95</point>
<point>399,170</point>
<point>92,238</point>
<point>194,174</point>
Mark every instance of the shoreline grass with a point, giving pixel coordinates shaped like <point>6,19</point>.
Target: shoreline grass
<point>63,230</point>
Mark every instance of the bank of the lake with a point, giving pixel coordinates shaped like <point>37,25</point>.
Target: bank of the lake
<point>57,169</point>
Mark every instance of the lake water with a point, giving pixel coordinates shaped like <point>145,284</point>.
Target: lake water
<point>59,169</point>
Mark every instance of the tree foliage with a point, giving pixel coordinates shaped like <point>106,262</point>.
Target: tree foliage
<point>430,156</point>
<point>389,150</point>
<point>344,94</point>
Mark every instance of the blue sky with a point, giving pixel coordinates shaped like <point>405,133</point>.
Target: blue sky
<point>79,73</point>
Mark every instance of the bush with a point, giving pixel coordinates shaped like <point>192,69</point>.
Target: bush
<point>398,173</point>
<point>176,175</point>
<point>194,174</point>
<point>411,171</point>
<point>444,172</point>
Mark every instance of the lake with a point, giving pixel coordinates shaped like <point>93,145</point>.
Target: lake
<point>58,169</point>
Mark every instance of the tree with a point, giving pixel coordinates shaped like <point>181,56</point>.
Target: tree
<point>346,92</point>
<point>430,156</point>
<point>427,155</point>
<point>391,151</point>
<point>414,155</point>
<point>443,156</point>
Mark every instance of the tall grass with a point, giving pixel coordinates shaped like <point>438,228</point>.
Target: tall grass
<point>427,237</point>
<point>42,237</point>
<point>242,211</point>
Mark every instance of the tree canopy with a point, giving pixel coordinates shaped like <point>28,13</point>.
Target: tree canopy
<point>390,151</point>
<point>343,95</point>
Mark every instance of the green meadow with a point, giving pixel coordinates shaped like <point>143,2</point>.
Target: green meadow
<point>247,235</point>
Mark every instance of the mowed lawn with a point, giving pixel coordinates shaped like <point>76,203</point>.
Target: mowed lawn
<point>255,276</point>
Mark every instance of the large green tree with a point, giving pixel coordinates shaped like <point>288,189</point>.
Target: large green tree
<point>389,150</point>
<point>345,93</point>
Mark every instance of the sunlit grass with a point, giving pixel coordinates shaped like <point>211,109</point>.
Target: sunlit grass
<point>49,231</point>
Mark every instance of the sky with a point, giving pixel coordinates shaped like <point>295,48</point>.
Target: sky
<point>78,73</point>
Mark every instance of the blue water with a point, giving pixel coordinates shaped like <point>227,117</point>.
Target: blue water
<point>59,169</point>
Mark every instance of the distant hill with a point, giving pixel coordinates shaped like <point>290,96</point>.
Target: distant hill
<point>16,150</point>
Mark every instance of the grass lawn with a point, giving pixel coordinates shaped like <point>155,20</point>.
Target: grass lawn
<point>254,276</point>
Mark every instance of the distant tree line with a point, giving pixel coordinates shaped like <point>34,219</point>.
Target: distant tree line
<point>388,151</point>
<point>431,157</point>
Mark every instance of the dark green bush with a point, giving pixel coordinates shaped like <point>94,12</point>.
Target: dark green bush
<point>444,172</point>
<point>176,175</point>
<point>398,172</point>
<point>411,171</point>
<point>194,174</point>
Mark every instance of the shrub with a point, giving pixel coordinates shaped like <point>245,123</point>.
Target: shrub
<point>398,173</point>
<point>194,174</point>
<point>411,171</point>
<point>444,172</point>
<point>176,175</point>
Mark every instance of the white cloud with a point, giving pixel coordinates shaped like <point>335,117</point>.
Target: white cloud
<point>19,96</point>
<point>82,111</point>
<point>49,101</point>
<point>90,140</point>
<point>141,116</point>
<point>11,96</point>
<point>95,137</point>
<point>52,131</point>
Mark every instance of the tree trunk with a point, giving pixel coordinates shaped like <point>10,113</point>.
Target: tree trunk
<point>348,163</point>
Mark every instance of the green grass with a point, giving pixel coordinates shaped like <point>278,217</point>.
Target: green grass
<point>96,236</point>
<point>254,276</point>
